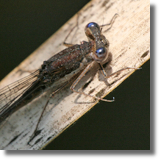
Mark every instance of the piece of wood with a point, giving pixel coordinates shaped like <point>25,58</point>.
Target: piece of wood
<point>130,47</point>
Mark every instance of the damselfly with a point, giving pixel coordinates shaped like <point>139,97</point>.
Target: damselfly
<point>57,71</point>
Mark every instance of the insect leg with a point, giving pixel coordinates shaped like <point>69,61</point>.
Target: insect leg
<point>105,74</point>
<point>81,92</point>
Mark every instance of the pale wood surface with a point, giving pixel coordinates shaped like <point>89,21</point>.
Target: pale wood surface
<point>130,47</point>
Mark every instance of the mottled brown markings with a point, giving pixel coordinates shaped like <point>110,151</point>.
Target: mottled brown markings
<point>86,17</point>
<point>109,6</point>
<point>15,138</point>
<point>83,19</point>
<point>49,138</point>
<point>38,140</point>
<point>100,93</point>
<point>91,91</point>
<point>105,2</point>
<point>145,54</point>
<point>90,6</point>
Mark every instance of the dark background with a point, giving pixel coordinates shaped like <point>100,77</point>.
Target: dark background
<point>124,124</point>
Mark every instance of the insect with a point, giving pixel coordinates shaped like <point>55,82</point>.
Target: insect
<point>57,71</point>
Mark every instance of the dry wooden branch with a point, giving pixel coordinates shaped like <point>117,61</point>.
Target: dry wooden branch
<point>130,46</point>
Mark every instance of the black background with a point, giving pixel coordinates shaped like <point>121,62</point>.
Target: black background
<point>124,124</point>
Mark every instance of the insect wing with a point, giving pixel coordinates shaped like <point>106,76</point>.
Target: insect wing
<point>10,93</point>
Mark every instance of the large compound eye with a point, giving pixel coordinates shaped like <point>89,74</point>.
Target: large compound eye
<point>90,30</point>
<point>93,24</point>
<point>101,52</point>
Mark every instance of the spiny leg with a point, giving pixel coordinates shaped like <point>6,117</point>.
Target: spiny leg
<point>70,44</point>
<point>79,78</point>
<point>105,74</point>
<point>51,96</point>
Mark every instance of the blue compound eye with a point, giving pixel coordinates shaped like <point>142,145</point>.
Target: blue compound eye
<point>92,24</point>
<point>101,52</point>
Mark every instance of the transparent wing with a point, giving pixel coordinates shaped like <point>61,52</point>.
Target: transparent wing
<point>12,92</point>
